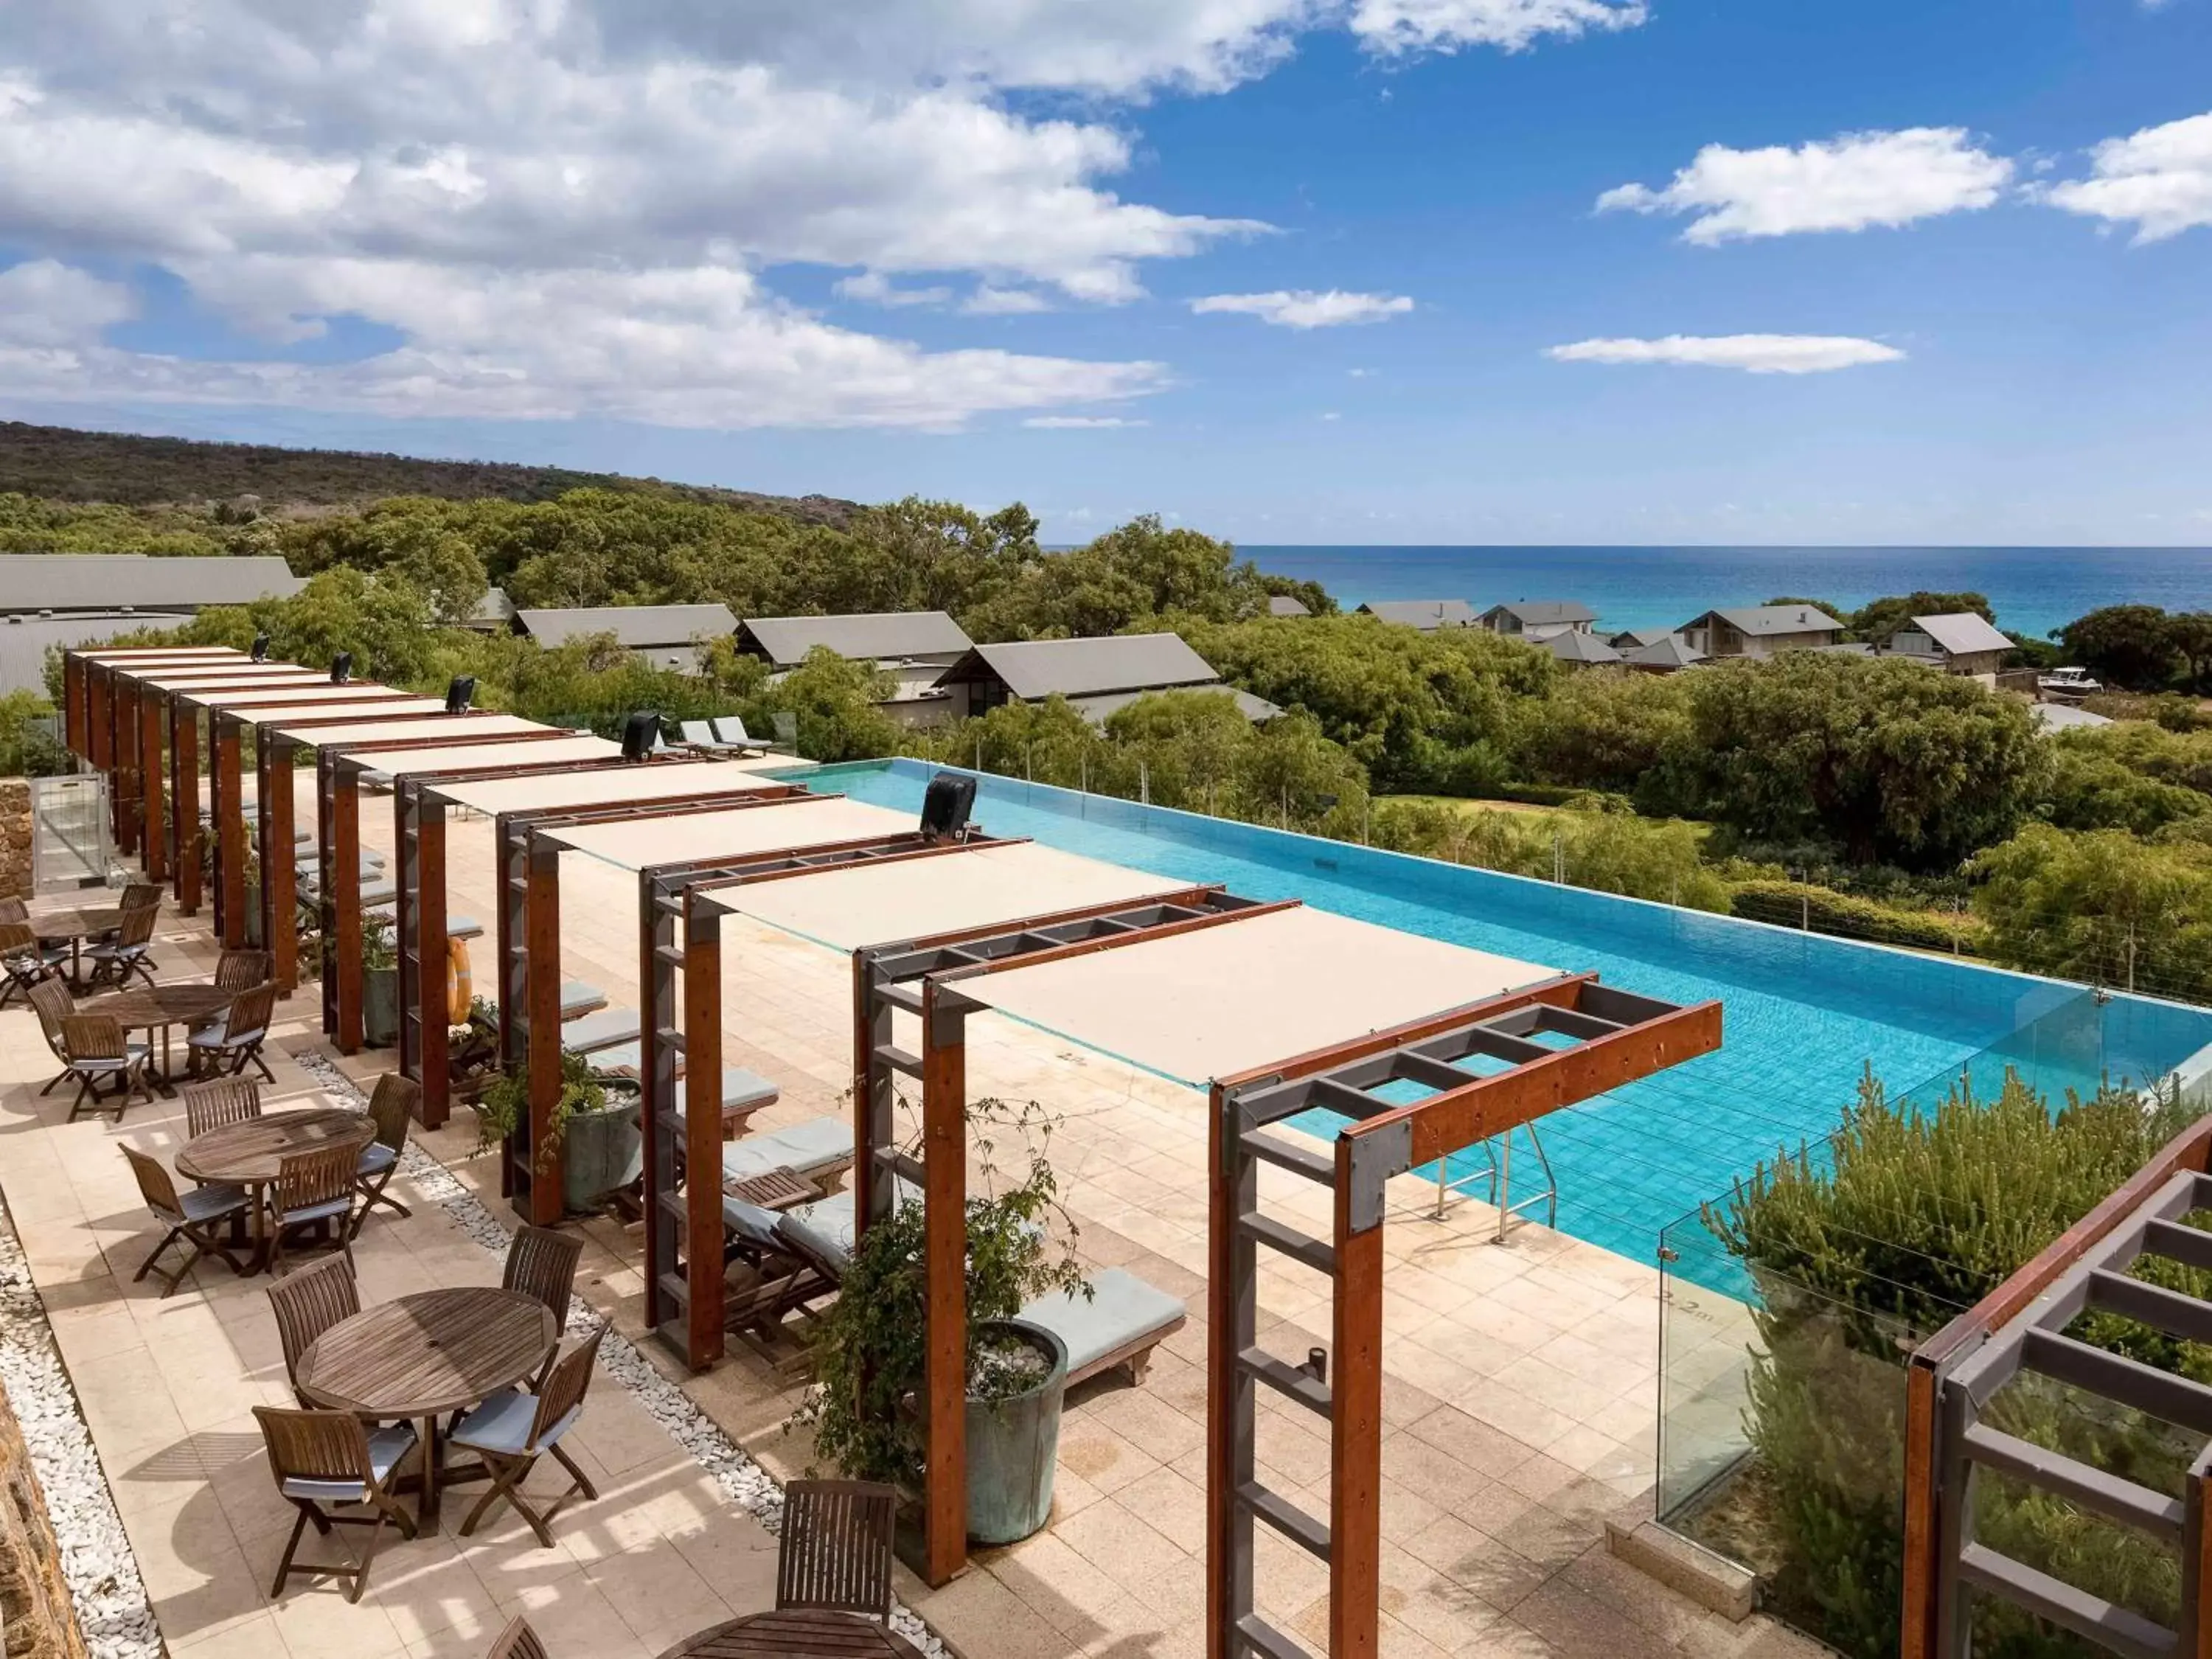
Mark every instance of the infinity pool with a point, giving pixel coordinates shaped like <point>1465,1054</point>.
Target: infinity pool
<point>1804,1014</point>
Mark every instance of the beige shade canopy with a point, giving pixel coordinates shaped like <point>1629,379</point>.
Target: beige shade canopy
<point>461,757</point>
<point>372,729</point>
<point>1241,995</point>
<point>802,821</point>
<point>280,692</point>
<point>126,654</point>
<point>182,677</point>
<point>606,788</point>
<point>986,886</point>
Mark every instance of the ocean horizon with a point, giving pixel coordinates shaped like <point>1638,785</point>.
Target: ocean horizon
<point>2033,590</point>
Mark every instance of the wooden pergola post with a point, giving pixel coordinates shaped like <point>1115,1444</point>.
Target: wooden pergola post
<point>73,702</point>
<point>124,745</point>
<point>185,793</point>
<point>228,810</point>
<point>280,934</point>
<point>703,1130</point>
<point>944,1267</point>
<point>342,899</point>
<point>425,1049</point>
<point>151,759</point>
<point>538,1173</point>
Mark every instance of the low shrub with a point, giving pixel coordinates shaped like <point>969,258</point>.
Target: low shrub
<point>1800,904</point>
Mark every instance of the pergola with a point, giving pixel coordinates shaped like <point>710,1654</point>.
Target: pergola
<point>187,745</point>
<point>553,753</point>
<point>227,770</point>
<point>701,834</point>
<point>1274,1010</point>
<point>514,794</point>
<point>156,694</point>
<point>87,711</point>
<point>280,742</point>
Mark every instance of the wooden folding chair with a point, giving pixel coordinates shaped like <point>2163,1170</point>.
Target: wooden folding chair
<point>517,1641</point>
<point>392,1109</point>
<point>309,1303</point>
<point>24,962</point>
<point>140,895</point>
<point>51,1001</point>
<point>542,1263</point>
<point>226,1100</point>
<point>237,970</point>
<point>321,1457</point>
<point>836,1551</point>
<point>97,1052</point>
<point>190,1218</point>
<point>115,960</point>
<point>513,1430</point>
<point>311,1187</point>
<point>227,1046</point>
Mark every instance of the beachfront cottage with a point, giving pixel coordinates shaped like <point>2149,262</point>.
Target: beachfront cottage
<point>1538,621</point>
<point>1761,630</point>
<point>914,648</point>
<point>665,635</point>
<point>1427,615</point>
<point>1964,643</point>
<point>1668,654</point>
<point>1282,604</point>
<point>1097,676</point>
<point>1578,650</point>
<point>1635,639</point>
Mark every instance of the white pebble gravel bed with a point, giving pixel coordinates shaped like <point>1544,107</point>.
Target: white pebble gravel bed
<point>96,1560</point>
<point>749,1485</point>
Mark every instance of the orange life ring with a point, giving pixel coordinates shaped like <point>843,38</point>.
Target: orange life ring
<point>460,990</point>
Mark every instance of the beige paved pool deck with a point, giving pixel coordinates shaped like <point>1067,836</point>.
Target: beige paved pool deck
<point>1520,1398</point>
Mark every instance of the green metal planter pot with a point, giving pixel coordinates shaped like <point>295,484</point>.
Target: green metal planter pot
<point>380,1006</point>
<point>599,1151</point>
<point>1013,1448</point>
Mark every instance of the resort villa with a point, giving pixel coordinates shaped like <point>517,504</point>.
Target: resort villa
<point>665,636</point>
<point>1538,621</point>
<point>1760,630</point>
<point>1392,1327</point>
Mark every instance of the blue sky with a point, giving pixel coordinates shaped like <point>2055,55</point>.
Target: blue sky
<point>1288,270</point>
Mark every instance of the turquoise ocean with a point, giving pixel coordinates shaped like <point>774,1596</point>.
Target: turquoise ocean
<point>2033,590</point>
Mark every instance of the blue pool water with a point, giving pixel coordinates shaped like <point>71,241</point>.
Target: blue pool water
<point>1803,1014</point>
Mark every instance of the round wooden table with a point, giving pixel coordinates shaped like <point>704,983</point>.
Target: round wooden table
<point>150,1008</point>
<point>76,926</point>
<point>249,1154</point>
<point>425,1355</point>
<point>795,1631</point>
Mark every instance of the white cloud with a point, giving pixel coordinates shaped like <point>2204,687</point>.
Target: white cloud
<point>1305,308</point>
<point>1854,182</point>
<point>1393,27</point>
<point>989,301</point>
<point>874,288</point>
<point>1080,423</point>
<point>45,303</point>
<point>2159,180</point>
<point>1755,354</point>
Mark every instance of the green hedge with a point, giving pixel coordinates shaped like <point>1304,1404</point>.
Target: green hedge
<point>1799,904</point>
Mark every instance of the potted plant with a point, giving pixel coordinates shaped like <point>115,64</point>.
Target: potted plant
<point>380,982</point>
<point>870,1345</point>
<point>593,1133</point>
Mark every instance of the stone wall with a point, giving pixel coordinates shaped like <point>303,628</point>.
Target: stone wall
<point>15,838</point>
<point>35,1619</point>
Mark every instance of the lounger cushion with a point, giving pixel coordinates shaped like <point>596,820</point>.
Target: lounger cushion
<point>742,1091</point>
<point>731,729</point>
<point>1122,1309</point>
<point>751,1223</point>
<point>579,998</point>
<point>825,1228</point>
<point>606,1028</point>
<point>811,1145</point>
<point>698,733</point>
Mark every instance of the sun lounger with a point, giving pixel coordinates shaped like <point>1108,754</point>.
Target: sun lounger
<point>459,927</point>
<point>822,1233</point>
<point>1121,1323</point>
<point>813,1147</point>
<point>609,1027</point>
<point>770,1285</point>
<point>730,732</point>
<point>743,1093</point>
<point>578,998</point>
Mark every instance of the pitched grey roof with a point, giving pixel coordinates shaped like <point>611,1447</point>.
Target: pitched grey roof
<point>1760,620</point>
<point>141,581</point>
<point>1035,669</point>
<point>1282,604</point>
<point>1672,651</point>
<point>1634,639</point>
<point>1962,633</point>
<point>493,611</point>
<point>2063,716</point>
<point>633,625</point>
<point>24,640</point>
<point>882,636</point>
<point>1425,613</point>
<point>1258,710</point>
<point>1581,648</point>
<point>1543,613</point>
